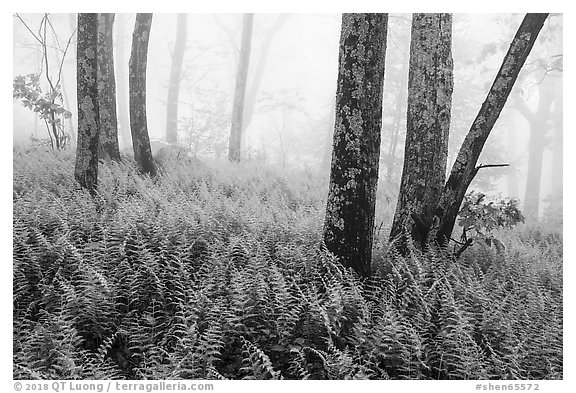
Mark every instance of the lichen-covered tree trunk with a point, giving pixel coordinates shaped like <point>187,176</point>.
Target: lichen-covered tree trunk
<point>538,122</point>
<point>349,222</point>
<point>175,76</point>
<point>464,168</point>
<point>235,141</point>
<point>107,89</point>
<point>137,88</point>
<point>121,83</point>
<point>430,86</point>
<point>86,166</point>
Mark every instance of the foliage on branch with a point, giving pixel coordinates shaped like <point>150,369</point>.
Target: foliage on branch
<point>480,218</point>
<point>27,89</point>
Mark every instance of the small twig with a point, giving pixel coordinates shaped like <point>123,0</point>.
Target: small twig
<point>491,166</point>
<point>64,57</point>
<point>28,28</point>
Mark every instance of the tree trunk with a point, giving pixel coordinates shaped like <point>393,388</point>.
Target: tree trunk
<point>430,86</point>
<point>86,167</point>
<point>137,87</point>
<point>557,158</point>
<point>252,92</point>
<point>107,89</point>
<point>511,178</point>
<point>349,222</point>
<point>121,84</point>
<point>175,77</point>
<point>538,126</point>
<point>235,142</point>
<point>464,168</point>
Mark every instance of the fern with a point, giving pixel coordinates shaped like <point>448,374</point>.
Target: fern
<point>216,271</point>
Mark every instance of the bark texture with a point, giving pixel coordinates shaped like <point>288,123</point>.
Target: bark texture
<point>109,147</point>
<point>464,168</point>
<point>137,87</point>
<point>349,222</point>
<point>175,77</point>
<point>235,142</point>
<point>86,166</point>
<point>430,87</point>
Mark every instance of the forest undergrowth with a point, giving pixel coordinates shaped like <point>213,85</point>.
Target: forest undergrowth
<point>216,271</point>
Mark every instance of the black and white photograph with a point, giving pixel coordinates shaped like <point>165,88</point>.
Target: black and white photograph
<point>202,197</point>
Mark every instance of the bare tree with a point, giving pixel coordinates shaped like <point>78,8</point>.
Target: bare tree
<point>137,87</point>
<point>538,123</point>
<point>263,55</point>
<point>27,88</point>
<point>175,78</point>
<point>349,223</point>
<point>86,168</point>
<point>235,142</point>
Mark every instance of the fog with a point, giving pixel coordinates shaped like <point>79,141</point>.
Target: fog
<point>292,121</point>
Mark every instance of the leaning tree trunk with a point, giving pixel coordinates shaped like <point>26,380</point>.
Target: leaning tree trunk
<point>464,168</point>
<point>235,142</point>
<point>430,86</point>
<point>137,87</point>
<point>175,76</point>
<point>107,89</point>
<point>86,167</point>
<point>349,222</point>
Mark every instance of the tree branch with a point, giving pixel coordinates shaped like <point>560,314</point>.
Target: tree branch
<point>491,166</point>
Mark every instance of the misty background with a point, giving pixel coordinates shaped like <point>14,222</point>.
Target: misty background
<point>292,83</point>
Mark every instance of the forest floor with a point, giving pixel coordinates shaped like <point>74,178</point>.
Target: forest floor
<point>217,271</point>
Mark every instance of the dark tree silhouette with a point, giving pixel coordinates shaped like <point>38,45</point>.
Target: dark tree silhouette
<point>349,223</point>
